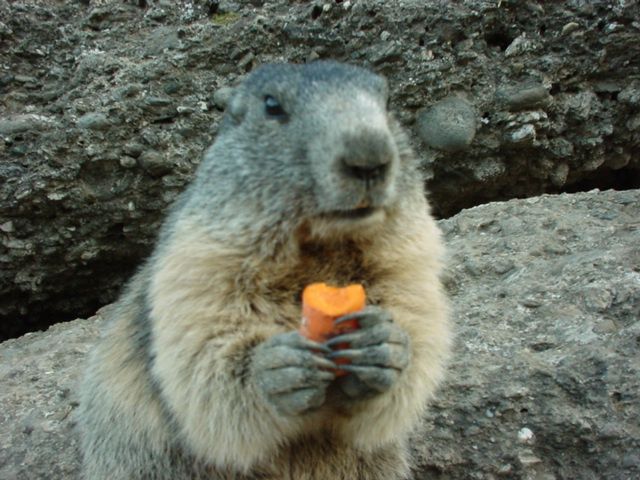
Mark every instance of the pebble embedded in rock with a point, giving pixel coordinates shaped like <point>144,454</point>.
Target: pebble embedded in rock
<point>22,123</point>
<point>384,52</point>
<point>532,300</point>
<point>633,123</point>
<point>245,63</point>
<point>580,106</point>
<point>221,97</point>
<point>616,162</point>
<point>152,101</point>
<point>521,44</point>
<point>569,28</point>
<point>128,162</point>
<point>528,459</point>
<point>503,265</point>
<point>448,125</point>
<point>25,79</point>
<point>598,298</point>
<point>560,174</point>
<point>94,121</point>
<point>134,149</point>
<point>631,94</point>
<point>56,196</point>
<point>522,95</point>
<point>561,148</point>
<point>488,169</point>
<point>5,31</point>
<point>525,435</point>
<point>171,87</point>
<point>154,163</point>
<point>524,135</point>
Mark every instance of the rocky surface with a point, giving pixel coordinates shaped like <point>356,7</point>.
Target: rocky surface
<point>107,105</point>
<point>39,373</point>
<point>545,382</point>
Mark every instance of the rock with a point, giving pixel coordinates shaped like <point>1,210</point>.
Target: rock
<point>94,121</point>
<point>134,149</point>
<point>525,135</point>
<point>561,148</point>
<point>536,389</point>
<point>523,95</point>
<point>171,87</point>
<point>38,398</point>
<point>163,39</point>
<point>154,102</point>
<point>549,348</point>
<point>386,51</point>
<point>128,162</point>
<point>221,97</point>
<point>634,123</point>
<point>580,106</point>
<point>23,123</point>
<point>448,125</point>
<point>66,59</point>
<point>154,163</point>
<point>489,169</point>
<point>631,94</point>
<point>4,30</point>
<point>560,174</point>
<point>520,45</point>
<point>569,28</point>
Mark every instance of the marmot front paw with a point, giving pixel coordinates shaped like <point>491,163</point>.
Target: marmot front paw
<point>292,372</point>
<point>378,352</point>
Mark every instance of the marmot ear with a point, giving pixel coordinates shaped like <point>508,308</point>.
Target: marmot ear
<point>237,108</point>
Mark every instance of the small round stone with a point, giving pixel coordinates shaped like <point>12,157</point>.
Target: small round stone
<point>448,125</point>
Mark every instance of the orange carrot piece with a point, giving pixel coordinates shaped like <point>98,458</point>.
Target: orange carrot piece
<point>322,304</point>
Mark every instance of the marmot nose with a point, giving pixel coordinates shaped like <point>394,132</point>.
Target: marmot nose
<point>366,157</point>
<point>366,173</point>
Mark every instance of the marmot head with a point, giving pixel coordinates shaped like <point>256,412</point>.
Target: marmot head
<point>310,143</point>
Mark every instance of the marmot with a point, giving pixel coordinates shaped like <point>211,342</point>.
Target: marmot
<point>200,371</point>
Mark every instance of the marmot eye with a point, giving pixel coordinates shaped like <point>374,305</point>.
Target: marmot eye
<point>273,108</point>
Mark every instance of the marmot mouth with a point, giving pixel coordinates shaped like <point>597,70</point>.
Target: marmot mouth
<point>355,214</point>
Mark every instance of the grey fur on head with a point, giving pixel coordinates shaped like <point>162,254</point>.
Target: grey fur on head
<point>331,116</point>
